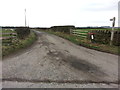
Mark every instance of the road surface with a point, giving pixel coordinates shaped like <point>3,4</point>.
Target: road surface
<point>55,62</point>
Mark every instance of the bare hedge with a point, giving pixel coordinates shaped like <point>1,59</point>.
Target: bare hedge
<point>22,32</point>
<point>65,29</point>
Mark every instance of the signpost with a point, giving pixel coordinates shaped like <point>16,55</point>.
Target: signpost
<point>112,32</point>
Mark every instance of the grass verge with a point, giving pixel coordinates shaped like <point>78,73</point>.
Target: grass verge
<point>88,43</point>
<point>18,44</point>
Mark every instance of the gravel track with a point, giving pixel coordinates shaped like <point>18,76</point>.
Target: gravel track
<point>55,62</point>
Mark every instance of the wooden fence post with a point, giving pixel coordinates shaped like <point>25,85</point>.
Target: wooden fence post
<point>71,31</point>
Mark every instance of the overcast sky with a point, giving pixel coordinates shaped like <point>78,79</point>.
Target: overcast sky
<point>47,13</point>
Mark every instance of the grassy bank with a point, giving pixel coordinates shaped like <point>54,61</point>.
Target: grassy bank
<point>18,44</point>
<point>88,43</point>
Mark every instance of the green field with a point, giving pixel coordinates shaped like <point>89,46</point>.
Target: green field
<point>8,30</point>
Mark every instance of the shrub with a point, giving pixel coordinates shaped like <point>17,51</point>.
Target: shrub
<point>65,29</point>
<point>22,32</point>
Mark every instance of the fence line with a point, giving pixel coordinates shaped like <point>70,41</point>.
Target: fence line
<point>11,35</point>
<point>83,33</point>
<point>80,33</point>
<point>8,39</point>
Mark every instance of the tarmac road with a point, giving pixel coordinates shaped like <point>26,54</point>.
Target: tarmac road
<point>55,62</point>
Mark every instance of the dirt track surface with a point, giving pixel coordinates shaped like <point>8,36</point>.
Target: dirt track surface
<point>55,60</point>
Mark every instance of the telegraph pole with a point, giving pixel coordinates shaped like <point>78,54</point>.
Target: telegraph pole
<point>25,18</point>
<point>112,32</point>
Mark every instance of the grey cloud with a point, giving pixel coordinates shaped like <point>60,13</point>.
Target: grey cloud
<point>101,7</point>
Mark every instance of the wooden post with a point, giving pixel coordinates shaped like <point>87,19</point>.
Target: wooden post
<point>112,32</point>
<point>71,31</point>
